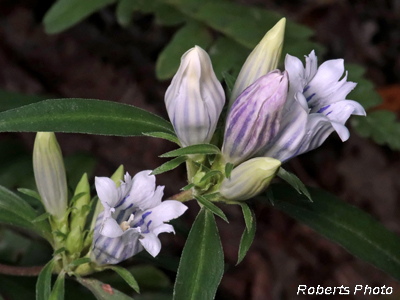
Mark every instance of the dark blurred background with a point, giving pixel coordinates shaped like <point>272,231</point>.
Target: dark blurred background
<point>98,59</point>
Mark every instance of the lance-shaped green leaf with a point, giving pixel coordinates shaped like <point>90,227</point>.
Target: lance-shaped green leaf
<point>355,230</point>
<point>248,235</point>
<point>101,290</point>
<point>247,214</point>
<point>42,217</point>
<point>188,187</point>
<point>30,193</point>
<point>212,207</point>
<point>294,181</point>
<point>170,165</point>
<point>83,116</point>
<point>202,261</point>
<point>80,261</point>
<point>66,13</point>
<point>127,276</point>
<point>193,149</point>
<point>163,135</point>
<point>59,288</point>
<point>15,211</point>
<point>43,284</point>
<point>228,170</point>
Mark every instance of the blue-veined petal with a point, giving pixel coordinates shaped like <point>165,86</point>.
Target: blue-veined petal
<point>151,242</point>
<point>254,118</point>
<point>195,98</point>
<point>292,130</point>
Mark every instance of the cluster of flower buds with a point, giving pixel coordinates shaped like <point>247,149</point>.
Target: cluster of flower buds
<point>129,217</point>
<point>272,114</point>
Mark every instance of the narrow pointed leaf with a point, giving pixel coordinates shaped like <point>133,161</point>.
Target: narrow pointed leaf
<point>188,187</point>
<point>211,197</point>
<point>212,207</point>
<point>43,284</point>
<point>163,135</point>
<point>58,290</point>
<point>248,216</point>
<point>228,170</point>
<point>80,261</point>
<point>101,290</point>
<point>30,193</point>
<point>127,276</point>
<point>42,217</point>
<point>247,238</point>
<point>193,149</point>
<point>294,181</point>
<point>170,165</point>
<point>83,116</point>
<point>353,229</point>
<point>202,261</point>
<point>15,211</point>
<point>58,251</point>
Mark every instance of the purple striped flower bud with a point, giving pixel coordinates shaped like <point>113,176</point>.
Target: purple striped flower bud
<point>254,117</point>
<point>195,98</point>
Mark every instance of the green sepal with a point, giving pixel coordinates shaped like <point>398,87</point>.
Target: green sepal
<point>211,207</point>
<point>193,149</point>
<point>294,181</point>
<point>247,237</point>
<point>169,165</point>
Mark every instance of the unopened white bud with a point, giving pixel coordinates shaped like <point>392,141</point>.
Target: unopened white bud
<point>263,59</point>
<point>195,98</point>
<point>48,166</point>
<point>249,178</point>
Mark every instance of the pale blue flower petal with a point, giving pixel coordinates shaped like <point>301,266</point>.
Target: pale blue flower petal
<point>107,191</point>
<point>111,228</point>
<point>151,242</point>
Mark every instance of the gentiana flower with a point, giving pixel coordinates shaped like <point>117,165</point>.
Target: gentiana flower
<point>249,178</point>
<point>316,106</point>
<point>50,177</point>
<point>195,98</point>
<point>263,59</point>
<point>254,117</point>
<point>132,219</point>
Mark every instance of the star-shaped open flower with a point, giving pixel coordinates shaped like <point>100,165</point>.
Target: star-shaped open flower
<point>132,219</point>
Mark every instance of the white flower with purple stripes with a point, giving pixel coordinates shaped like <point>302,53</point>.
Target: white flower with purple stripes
<point>315,107</point>
<point>195,98</point>
<point>132,219</point>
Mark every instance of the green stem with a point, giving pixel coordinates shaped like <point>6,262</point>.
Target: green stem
<point>183,196</point>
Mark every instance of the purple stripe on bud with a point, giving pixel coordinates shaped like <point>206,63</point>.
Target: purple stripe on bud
<point>254,117</point>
